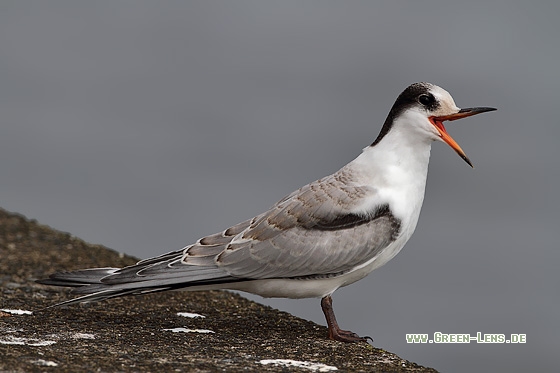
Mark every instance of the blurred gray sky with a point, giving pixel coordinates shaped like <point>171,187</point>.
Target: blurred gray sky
<point>145,125</point>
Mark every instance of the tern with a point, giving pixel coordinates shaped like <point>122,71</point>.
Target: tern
<point>325,235</point>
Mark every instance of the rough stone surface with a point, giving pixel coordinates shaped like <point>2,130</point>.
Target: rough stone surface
<point>128,334</point>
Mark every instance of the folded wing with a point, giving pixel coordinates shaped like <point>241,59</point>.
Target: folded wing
<point>313,232</point>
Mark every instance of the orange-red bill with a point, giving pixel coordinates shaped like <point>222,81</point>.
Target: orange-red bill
<point>463,113</point>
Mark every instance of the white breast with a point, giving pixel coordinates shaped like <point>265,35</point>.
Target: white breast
<point>396,169</point>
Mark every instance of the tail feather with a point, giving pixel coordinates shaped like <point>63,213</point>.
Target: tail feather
<point>78,278</point>
<point>105,294</point>
<point>97,284</point>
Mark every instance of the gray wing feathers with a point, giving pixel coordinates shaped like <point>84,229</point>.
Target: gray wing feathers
<point>301,252</point>
<point>194,265</point>
<point>311,232</point>
<point>79,278</point>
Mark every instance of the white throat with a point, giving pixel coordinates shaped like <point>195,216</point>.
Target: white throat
<point>397,167</point>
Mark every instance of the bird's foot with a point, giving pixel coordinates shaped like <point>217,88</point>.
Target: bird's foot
<point>347,336</point>
<point>335,333</point>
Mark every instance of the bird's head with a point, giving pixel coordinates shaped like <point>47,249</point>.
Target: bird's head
<point>421,110</point>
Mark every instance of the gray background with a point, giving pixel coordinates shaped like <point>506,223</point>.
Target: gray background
<point>145,125</point>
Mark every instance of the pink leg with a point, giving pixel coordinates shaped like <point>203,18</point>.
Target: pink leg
<point>335,332</point>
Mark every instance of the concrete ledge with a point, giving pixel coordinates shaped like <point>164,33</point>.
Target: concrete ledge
<point>146,334</point>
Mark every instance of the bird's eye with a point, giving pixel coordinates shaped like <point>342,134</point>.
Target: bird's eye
<point>426,100</point>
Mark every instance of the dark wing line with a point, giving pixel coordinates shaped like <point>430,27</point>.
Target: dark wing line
<point>348,221</point>
<point>290,242</point>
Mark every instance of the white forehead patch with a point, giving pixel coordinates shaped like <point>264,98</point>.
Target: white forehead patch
<point>447,104</point>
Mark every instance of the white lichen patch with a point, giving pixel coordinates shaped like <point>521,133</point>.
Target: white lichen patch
<point>11,340</point>
<point>16,312</point>
<point>82,336</point>
<point>44,363</point>
<point>314,367</point>
<point>39,343</point>
<point>185,330</point>
<point>190,315</point>
<point>10,337</point>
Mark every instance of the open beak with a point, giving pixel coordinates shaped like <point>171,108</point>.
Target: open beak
<point>463,113</point>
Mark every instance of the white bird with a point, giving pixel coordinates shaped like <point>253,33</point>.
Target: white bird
<point>325,235</point>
